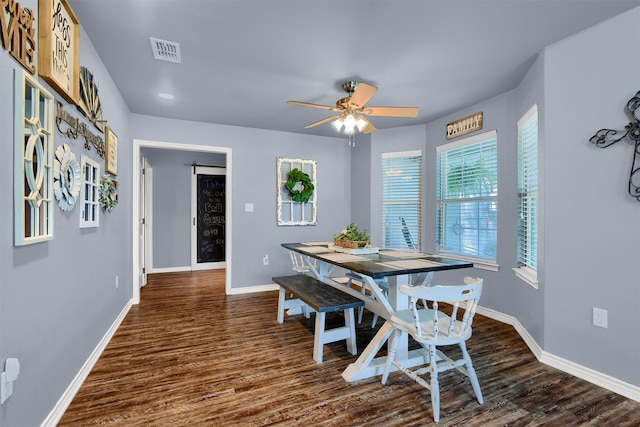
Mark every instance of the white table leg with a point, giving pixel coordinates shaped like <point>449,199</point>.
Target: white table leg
<point>367,365</point>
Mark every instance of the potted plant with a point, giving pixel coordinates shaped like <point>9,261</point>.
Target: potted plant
<point>352,238</point>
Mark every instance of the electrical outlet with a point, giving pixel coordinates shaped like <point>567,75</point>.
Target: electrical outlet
<point>600,317</point>
<point>265,259</point>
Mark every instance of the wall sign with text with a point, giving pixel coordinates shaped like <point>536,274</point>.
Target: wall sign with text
<point>464,126</point>
<point>59,54</point>
<point>17,33</point>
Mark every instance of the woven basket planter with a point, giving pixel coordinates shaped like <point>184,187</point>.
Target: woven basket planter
<point>350,244</point>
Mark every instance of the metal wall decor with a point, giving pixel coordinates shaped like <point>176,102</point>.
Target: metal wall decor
<point>631,134</point>
<point>90,104</point>
<point>77,128</point>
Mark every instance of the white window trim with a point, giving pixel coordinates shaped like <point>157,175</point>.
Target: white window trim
<point>533,110</point>
<point>525,273</point>
<point>83,196</point>
<point>492,134</point>
<point>528,275</point>
<point>484,264</point>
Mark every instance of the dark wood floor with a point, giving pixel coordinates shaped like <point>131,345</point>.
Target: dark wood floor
<point>188,355</point>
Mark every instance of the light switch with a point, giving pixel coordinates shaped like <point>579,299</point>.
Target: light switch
<point>248,207</point>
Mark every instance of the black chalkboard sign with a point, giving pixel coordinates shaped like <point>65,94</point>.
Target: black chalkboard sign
<point>210,219</point>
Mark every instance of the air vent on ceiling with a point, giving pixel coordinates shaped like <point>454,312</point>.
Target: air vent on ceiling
<point>164,50</point>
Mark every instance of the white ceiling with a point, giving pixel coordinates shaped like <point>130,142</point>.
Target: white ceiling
<point>243,59</point>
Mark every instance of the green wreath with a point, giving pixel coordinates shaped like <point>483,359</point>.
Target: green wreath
<point>108,193</point>
<point>297,176</point>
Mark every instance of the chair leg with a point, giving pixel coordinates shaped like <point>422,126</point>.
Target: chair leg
<point>363,291</point>
<point>391,353</point>
<point>435,384</point>
<point>471,373</point>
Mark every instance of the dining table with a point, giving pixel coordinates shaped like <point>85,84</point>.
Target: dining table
<point>393,266</point>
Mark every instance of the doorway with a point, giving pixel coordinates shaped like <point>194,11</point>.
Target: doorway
<point>138,145</point>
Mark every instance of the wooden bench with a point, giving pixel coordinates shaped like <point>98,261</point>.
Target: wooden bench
<point>324,299</point>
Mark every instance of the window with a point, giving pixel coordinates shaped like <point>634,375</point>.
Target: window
<point>33,195</point>
<point>402,199</point>
<point>528,197</point>
<point>467,193</point>
<point>90,212</point>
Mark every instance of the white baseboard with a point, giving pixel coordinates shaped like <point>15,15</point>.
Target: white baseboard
<point>615,385</point>
<point>65,400</point>
<point>253,289</point>
<point>169,269</point>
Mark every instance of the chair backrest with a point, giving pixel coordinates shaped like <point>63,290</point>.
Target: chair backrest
<point>407,234</point>
<point>299,264</point>
<point>466,295</point>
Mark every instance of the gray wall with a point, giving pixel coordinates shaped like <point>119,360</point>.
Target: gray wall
<point>171,210</point>
<point>592,225</point>
<point>253,175</point>
<point>58,298</point>
<point>589,228</point>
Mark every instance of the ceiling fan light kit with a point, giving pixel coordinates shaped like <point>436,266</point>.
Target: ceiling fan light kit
<point>352,110</point>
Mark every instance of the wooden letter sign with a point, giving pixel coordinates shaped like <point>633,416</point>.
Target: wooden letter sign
<point>465,125</point>
<point>17,33</point>
<point>59,55</point>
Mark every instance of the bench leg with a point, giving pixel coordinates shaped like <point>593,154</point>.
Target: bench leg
<point>322,336</point>
<point>292,306</point>
<point>319,336</point>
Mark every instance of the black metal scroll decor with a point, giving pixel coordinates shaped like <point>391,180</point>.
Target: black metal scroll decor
<point>631,133</point>
<point>75,128</point>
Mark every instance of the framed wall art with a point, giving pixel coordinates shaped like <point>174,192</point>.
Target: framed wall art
<point>111,154</point>
<point>59,48</point>
<point>297,195</point>
<point>33,166</point>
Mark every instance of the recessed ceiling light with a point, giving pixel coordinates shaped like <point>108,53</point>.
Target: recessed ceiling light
<point>165,95</point>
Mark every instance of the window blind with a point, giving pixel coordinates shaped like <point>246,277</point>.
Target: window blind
<point>528,189</point>
<point>402,199</point>
<point>467,193</point>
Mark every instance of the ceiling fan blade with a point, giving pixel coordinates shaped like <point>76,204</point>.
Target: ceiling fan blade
<point>308,104</point>
<point>362,95</point>
<point>391,111</point>
<point>319,122</point>
<point>368,128</point>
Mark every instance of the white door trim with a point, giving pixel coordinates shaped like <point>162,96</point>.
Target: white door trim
<point>138,144</point>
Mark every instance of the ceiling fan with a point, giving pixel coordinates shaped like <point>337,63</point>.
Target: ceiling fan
<point>352,109</point>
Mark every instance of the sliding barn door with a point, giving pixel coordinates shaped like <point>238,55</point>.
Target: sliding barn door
<point>208,218</point>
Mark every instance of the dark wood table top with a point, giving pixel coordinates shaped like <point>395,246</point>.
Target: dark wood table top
<point>381,264</point>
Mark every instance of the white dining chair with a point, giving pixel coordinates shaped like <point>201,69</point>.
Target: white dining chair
<point>433,328</point>
<point>299,264</point>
